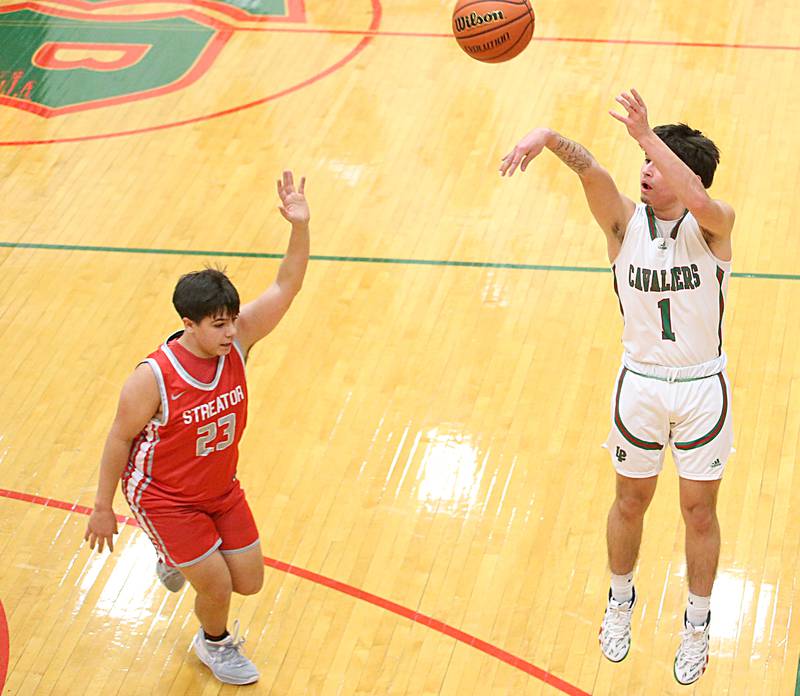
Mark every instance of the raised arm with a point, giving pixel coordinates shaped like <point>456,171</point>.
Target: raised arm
<point>138,403</point>
<point>715,217</point>
<point>259,317</point>
<point>610,208</point>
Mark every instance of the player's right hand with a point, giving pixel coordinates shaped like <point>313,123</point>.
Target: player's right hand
<point>101,529</point>
<point>524,151</point>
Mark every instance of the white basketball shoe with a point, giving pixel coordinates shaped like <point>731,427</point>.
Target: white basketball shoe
<point>692,656</point>
<point>170,577</point>
<point>615,631</point>
<point>225,659</point>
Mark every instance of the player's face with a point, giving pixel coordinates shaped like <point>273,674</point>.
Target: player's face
<point>654,191</point>
<point>214,335</point>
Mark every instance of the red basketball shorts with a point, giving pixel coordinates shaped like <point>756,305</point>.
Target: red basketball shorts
<point>185,534</point>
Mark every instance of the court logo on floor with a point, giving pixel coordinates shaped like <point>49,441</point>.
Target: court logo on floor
<point>91,68</point>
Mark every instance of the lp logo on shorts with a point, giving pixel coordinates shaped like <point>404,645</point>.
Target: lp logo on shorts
<point>621,454</point>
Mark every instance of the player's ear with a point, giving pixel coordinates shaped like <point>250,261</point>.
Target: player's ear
<point>188,324</point>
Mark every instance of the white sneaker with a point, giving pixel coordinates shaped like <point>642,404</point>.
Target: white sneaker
<point>225,659</point>
<point>692,656</point>
<point>615,631</point>
<point>170,577</point>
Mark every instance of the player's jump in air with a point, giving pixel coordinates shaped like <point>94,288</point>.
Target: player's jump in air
<point>671,259</point>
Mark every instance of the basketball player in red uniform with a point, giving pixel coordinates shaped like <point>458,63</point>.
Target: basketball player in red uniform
<point>175,439</point>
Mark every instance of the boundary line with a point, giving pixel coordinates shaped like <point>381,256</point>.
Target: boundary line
<point>351,259</point>
<point>425,620</point>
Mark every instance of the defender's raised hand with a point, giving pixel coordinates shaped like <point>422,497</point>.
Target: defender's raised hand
<point>294,206</point>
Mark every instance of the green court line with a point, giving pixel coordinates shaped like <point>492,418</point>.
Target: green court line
<point>352,259</point>
<point>797,681</point>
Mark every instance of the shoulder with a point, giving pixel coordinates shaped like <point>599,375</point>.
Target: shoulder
<point>139,402</point>
<point>141,383</point>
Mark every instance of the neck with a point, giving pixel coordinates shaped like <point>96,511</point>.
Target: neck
<point>669,212</point>
<point>192,346</point>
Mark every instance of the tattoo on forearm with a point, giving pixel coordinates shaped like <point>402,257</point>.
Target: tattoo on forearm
<point>573,154</point>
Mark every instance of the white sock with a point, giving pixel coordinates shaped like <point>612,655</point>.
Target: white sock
<point>622,587</point>
<point>697,609</point>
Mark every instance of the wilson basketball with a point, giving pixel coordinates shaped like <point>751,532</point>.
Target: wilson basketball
<point>493,31</point>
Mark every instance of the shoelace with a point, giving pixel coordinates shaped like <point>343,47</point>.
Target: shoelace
<point>229,651</point>
<point>693,643</point>
<point>617,623</point>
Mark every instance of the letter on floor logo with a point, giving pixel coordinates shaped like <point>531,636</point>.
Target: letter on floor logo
<point>56,61</point>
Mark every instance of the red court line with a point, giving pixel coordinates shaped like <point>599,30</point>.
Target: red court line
<point>405,612</point>
<point>4,651</point>
<point>543,39</point>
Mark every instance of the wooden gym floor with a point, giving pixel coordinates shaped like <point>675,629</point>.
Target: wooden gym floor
<point>423,453</point>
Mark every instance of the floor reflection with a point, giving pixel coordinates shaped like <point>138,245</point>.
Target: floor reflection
<point>448,476</point>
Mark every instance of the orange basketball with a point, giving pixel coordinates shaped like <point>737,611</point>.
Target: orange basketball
<point>493,31</point>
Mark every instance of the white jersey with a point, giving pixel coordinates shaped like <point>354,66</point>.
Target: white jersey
<point>672,292</point>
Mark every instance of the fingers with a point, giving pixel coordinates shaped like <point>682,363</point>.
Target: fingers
<point>617,116</point>
<point>504,164</point>
<point>286,184</point>
<point>99,540</point>
<point>510,163</point>
<point>627,102</point>
<point>633,102</point>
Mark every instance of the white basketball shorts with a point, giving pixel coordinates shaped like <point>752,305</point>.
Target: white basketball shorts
<point>693,417</point>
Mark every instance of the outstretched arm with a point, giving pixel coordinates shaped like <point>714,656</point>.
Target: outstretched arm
<point>715,217</point>
<point>609,207</point>
<point>259,317</point>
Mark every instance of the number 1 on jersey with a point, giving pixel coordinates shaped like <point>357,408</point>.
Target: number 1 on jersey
<point>666,323</point>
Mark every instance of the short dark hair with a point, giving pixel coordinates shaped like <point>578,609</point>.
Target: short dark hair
<point>693,148</point>
<point>205,293</point>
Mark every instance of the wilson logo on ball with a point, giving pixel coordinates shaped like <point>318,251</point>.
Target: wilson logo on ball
<point>493,31</point>
<point>476,20</point>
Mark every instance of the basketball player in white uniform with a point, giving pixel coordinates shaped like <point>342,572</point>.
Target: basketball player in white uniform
<point>671,258</point>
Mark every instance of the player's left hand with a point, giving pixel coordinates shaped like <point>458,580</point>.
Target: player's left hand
<point>294,206</point>
<point>636,118</point>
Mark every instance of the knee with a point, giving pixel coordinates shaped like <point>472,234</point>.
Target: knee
<point>699,517</point>
<point>249,583</point>
<point>632,507</point>
<point>217,589</point>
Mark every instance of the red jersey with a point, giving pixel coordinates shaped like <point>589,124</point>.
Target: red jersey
<point>189,450</point>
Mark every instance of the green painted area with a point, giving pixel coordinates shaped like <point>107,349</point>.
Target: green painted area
<point>350,259</point>
<point>259,7</point>
<point>174,46</point>
<point>253,7</point>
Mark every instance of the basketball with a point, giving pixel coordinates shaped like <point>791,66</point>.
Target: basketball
<point>493,31</point>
